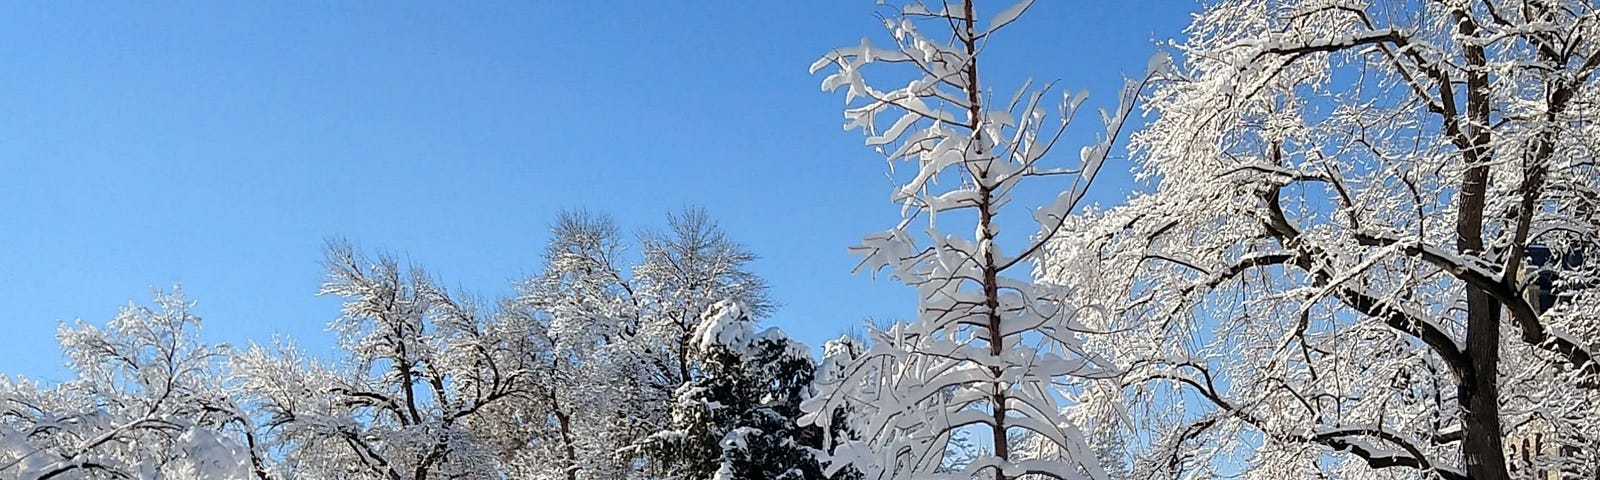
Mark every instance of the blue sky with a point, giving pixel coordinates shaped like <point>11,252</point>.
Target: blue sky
<point>217,144</point>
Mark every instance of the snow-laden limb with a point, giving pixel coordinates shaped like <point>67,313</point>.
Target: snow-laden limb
<point>989,351</point>
<point>726,326</point>
<point>1347,201</point>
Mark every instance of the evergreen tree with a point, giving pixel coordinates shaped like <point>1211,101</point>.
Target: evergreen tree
<point>736,418</point>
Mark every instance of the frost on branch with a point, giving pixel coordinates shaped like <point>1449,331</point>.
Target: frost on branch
<point>989,350</point>
<point>1333,274</point>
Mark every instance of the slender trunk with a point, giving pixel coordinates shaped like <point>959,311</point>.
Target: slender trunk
<point>1479,392</point>
<point>435,456</point>
<point>683,354</point>
<point>991,273</point>
<point>991,300</point>
<point>565,423</point>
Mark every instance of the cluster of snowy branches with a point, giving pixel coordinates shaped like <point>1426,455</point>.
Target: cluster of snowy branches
<point>1343,267</point>
<point>595,369</point>
<point>1358,251</point>
<point>147,402</point>
<point>1362,246</point>
<point>989,354</point>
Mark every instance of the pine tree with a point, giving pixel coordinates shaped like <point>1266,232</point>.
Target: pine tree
<point>736,419</point>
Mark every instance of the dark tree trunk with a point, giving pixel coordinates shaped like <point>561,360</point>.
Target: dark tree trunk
<point>1479,393</point>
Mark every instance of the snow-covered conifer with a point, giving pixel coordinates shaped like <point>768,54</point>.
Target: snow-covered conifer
<point>737,418</point>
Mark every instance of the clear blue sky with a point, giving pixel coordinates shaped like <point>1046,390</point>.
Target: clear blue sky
<point>217,144</point>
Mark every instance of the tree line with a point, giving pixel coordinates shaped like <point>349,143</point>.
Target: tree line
<point>595,368</point>
<point>1360,246</point>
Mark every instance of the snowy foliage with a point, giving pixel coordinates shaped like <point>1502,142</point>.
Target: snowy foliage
<point>1332,275</point>
<point>1367,246</point>
<point>599,393</point>
<point>988,350</point>
<point>565,380</point>
<point>146,403</point>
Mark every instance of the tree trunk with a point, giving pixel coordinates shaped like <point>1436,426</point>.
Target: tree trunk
<point>565,423</point>
<point>1479,392</point>
<point>991,283</point>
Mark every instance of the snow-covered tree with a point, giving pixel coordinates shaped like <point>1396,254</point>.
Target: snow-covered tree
<point>1332,275</point>
<point>737,418</point>
<point>835,366</point>
<point>989,350</point>
<point>147,401</point>
<point>685,270</point>
<point>597,397</point>
<point>620,334</point>
<point>563,381</point>
<point>410,401</point>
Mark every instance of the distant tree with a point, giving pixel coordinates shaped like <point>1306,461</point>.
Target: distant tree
<point>989,350</point>
<point>600,395</point>
<point>687,268</point>
<point>1331,277</point>
<point>147,401</point>
<point>835,366</point>
<point>411,399</point>
<point>621,328</point>
<point>563,381</point>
